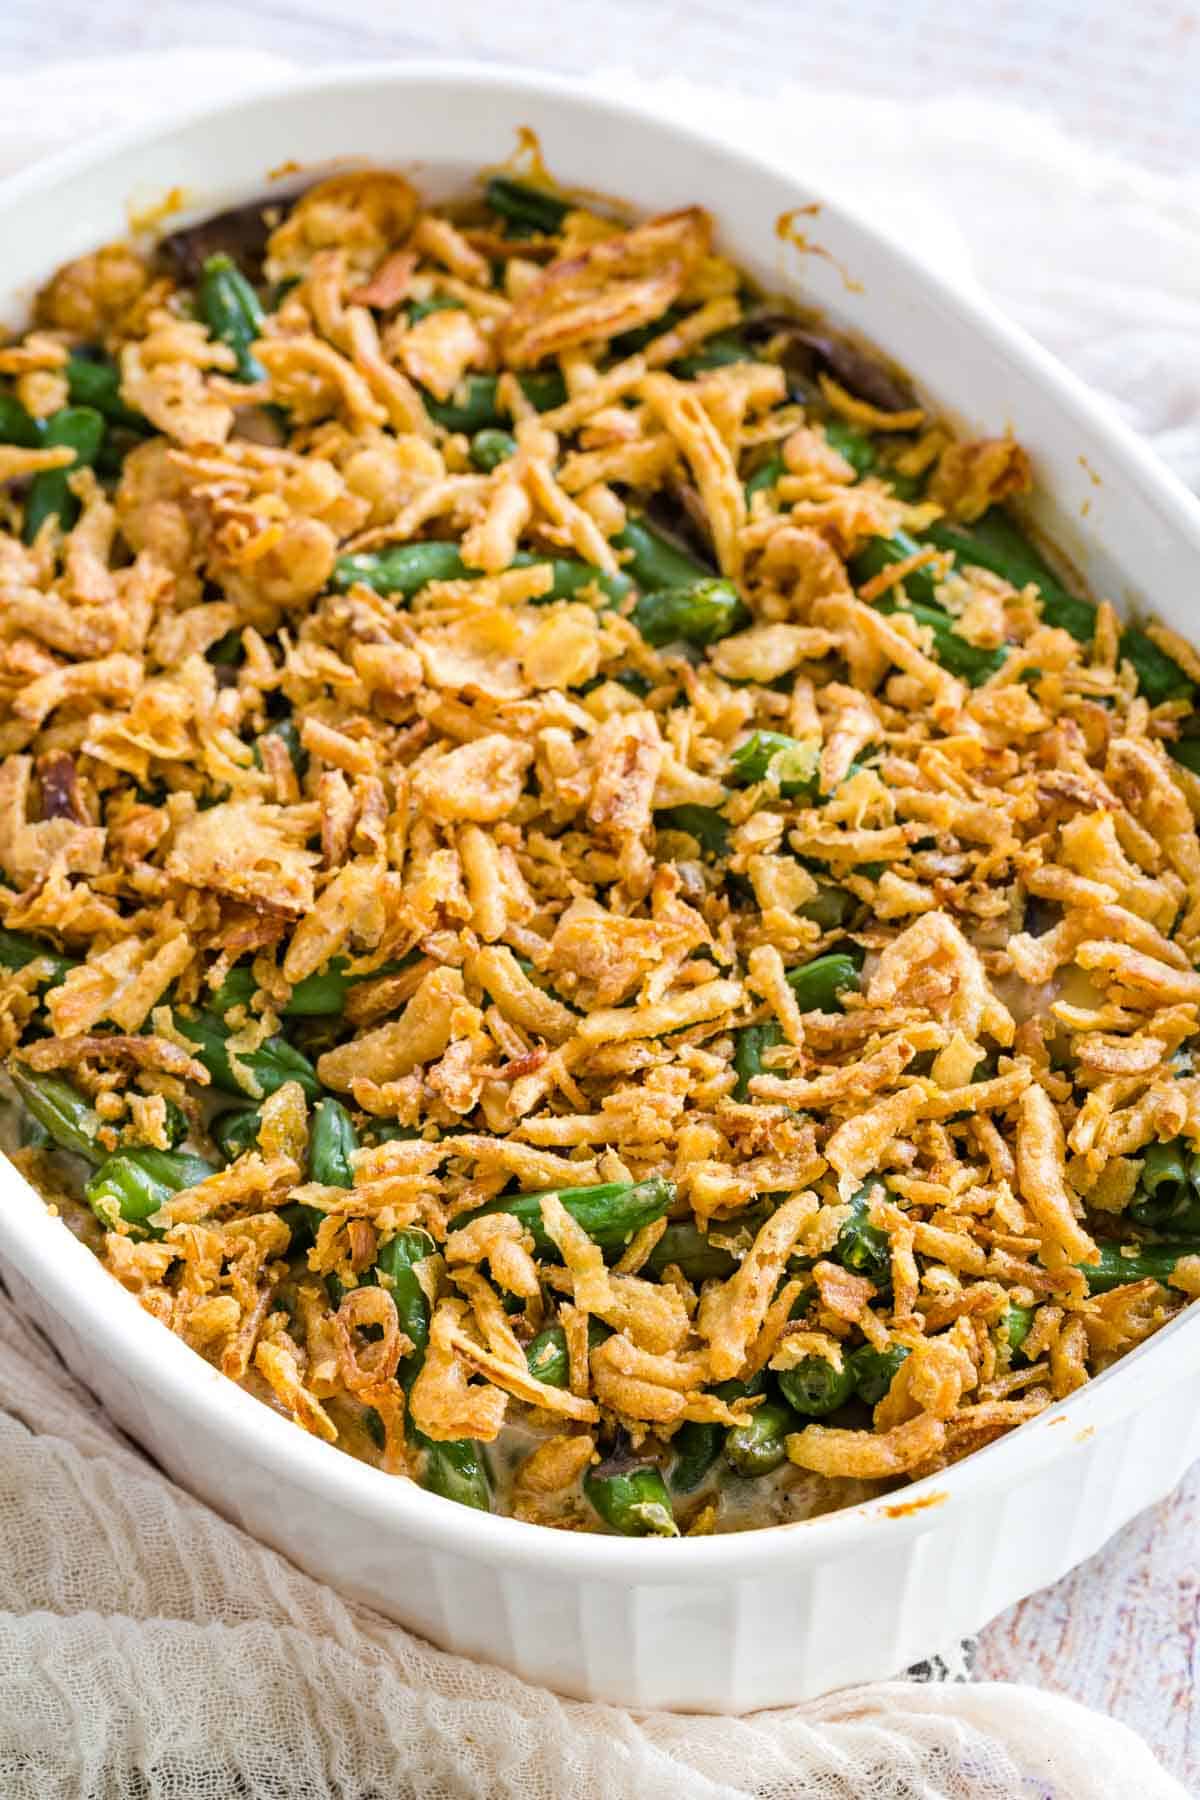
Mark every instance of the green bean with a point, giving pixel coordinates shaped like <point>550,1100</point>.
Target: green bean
<point>288,733</point>
<point>801,1265</point>
<point>407,568</point>
<point>32,1135</point>
<point>571,577</point>
<point>748,1047</point>
<point>337,1289</point>
<point>709,827</point>
<point>995,542</point>
<point>791,763</point>
<point>133,1184</point>
<point>176,1123</point>
<point>110,458</point>
<point>758,1446</point>
<point>880,553</point>
<point>61,1110</point>
<point>230,308</point>
<point>1167,1200</point>
<point>632,1498</point>
<point>375,1428</point>
<point>303,1222</point>
<point>873,1371</point>
<point>268,1067</point>
<point>630,679</point>
<point>77,428</point>
<point>491,447</point>
<point>278,293</point>
<point>228,651</point>
<point>395,1269</point>
<point>390,1131</point>
<point>1186,751</point>
<point>321,995</point>
<point>421,309</point>
<point>457,1470</point>
<point>18,426</point>
<point>236,1131</point>
<point>238,989</point>
<point>475,403</point>
<point>546,1354</point>
<point>862,1247</point>
<point>765,477</point>
<point>1165,1166</point>
<point>628,343</point>
<point>17,951</point>
<point>862,453</point>
<point>610,1213</point>
<point>534,209</point>
<point>819,984</point>
<point>854,445</point>
<point>544,389</point>
<point>654,562</point>
<point>97,382</point>
<point>332,1142</point>
<point>909,488</point>
<point>1150,1262</point>
<point>701,613</point>
<point>830,908</point>
<point>814,1387</point>
<point>970,662</point>
<point>1017,1323</point>
<point>697,1449</point>
<point>692,1252</point>
<point>715,353</point>
<point>697,1446</point>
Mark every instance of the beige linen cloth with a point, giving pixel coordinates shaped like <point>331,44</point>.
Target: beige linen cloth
<point>149,1650</point>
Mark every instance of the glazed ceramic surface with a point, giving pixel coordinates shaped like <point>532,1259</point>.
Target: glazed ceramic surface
<point>726,1623</point>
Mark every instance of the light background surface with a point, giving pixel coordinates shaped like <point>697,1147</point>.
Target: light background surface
<point>1123,73</point>
<point>1123,1633</point>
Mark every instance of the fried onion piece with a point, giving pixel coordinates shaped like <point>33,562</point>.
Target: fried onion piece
<point>614,285</point>
<point>444,1403</point>
<point>730,1316</point>
<point>420,1033</point>
<point>865,1455</point>
<point>1041,1178</point>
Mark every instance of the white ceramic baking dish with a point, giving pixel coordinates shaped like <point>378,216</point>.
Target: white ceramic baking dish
<point>729,1623</point>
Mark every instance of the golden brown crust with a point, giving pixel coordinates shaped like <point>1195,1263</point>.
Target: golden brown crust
<point>510,830</point>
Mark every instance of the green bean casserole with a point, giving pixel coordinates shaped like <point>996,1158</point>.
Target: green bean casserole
<point>584,912</point>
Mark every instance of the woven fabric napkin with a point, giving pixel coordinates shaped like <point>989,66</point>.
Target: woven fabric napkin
<point>150,1649</point>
